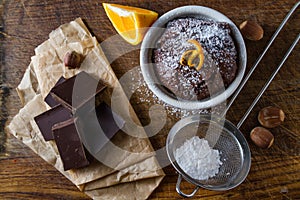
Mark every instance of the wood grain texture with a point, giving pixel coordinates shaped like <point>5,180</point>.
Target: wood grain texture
<point>275,173</point>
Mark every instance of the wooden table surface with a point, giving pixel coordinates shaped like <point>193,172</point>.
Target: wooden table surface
<point>275,172</point>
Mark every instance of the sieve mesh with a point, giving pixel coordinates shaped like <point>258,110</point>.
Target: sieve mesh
<point>231,156</point>
<point>221,137</point>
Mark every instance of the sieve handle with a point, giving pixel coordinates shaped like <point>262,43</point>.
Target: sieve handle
<point>268,82</point>
<point>180,192</point>
<point>243,83</point>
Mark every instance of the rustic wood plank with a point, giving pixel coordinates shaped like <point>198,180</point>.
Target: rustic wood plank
<point>275,172</point>
<point>3,88</point>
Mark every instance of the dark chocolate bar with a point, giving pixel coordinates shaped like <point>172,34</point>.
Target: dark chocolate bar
<point>99,126</point>
<point>46,120</point>
<point>108,120</point>
<point>77,92</point>
<point>49,99</point>
<point>69,145</point>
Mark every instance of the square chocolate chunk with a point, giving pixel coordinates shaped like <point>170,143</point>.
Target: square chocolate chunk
<point>69,145</point>
<point>78,92</point>
<point>99,126</point>
<point>46,120</point>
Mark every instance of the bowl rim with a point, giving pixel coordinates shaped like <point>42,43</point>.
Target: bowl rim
<point>149,43</point>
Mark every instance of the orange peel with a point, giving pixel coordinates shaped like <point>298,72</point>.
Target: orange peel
<point>188,57</point>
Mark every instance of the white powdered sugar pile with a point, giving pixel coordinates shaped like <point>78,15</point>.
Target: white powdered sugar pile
<point>198,159</point>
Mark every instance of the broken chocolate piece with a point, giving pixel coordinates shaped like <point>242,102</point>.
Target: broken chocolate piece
<point>69,145</point>
<point>99,126</point>
<point>77,92</point>
<point>49,99</point>
<point>109,120</point>
<point>46,120</point>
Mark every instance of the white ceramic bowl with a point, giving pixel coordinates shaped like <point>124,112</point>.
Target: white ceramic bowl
<point>155,32</point>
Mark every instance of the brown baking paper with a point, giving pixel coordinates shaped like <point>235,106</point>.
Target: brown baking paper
<point>133,171</point>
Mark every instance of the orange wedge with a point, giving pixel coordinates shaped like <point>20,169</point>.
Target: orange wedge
<point>130,22</point>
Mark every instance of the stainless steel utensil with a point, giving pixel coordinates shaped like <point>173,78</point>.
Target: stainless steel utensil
<point>222,135</point>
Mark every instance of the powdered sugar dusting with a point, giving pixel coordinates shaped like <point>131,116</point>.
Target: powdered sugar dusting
<point>198,159</point>
<point>139,87</point>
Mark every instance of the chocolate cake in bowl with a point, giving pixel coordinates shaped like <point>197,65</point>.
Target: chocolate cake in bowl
<point>178,42</point>
<point>220,56</point>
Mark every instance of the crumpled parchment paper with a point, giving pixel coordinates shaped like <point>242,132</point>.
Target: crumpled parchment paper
<point>133,172</point>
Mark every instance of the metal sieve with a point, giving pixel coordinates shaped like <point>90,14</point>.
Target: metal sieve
<point>222,135</point>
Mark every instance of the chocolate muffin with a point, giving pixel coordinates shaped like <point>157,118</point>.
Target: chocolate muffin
<point>220,63</point>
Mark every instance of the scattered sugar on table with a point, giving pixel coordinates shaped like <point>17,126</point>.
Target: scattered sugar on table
<point>198,159</point>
